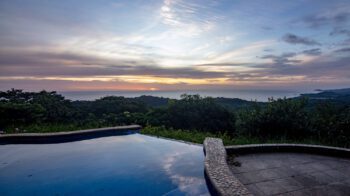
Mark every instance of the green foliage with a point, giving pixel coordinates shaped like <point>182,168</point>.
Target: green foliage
<point>57,108</point>
<point>199,136</point>
<point>185,135</point>
<point>332,122</point>
<point>279,118</point>
<point>192,118</point>
<point>203,114</point>
<point>12,114</point>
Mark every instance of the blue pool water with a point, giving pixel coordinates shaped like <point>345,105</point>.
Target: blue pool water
<point>132,164</point>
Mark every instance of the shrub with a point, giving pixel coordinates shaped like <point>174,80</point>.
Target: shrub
<point>279,118</point>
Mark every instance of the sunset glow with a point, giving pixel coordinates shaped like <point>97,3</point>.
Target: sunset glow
<point>174,44</point>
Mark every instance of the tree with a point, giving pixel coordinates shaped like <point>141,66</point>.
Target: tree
<point>203,114</point>
<point>279,118</point>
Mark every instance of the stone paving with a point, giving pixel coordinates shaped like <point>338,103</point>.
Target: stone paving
<point>292,174</point>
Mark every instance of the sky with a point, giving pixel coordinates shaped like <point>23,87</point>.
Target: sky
<point>167,45</point>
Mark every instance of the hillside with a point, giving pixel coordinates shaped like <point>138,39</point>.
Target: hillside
<point>336,96</point>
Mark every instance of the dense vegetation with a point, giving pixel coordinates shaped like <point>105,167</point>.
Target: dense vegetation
<point>323,120</point>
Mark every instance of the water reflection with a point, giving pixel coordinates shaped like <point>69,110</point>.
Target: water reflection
<point>118,165</point>
<point>180,166</point>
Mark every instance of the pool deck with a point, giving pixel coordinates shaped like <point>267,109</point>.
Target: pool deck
<point>276,169</point>
<point>292,174</point>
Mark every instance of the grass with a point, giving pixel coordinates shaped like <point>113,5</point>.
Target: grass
<point>198,137</point>
<point>185,135</point>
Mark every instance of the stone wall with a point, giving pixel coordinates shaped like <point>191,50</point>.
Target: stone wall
<point>219,178</point>
<point>297,148</point>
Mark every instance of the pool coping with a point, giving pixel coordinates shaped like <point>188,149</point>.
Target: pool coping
<point>69,136</point>
<point>297,148</point>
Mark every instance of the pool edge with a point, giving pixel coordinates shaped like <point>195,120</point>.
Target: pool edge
<point>69,136</point>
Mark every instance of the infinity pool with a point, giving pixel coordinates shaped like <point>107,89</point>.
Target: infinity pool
<point>132,164</point>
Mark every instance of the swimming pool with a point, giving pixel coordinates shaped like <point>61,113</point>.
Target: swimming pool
<point>132,164</point>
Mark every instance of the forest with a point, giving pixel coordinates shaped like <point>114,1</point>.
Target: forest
<point>322,118</point>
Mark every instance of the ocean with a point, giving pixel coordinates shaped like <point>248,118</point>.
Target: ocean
<point>258,95</point>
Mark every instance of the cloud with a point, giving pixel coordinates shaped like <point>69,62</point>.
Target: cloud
<point>190,18</point>
<point>287,58</point>
<point>334,18</point>
<point>172,41</point>
<point>342,50</point>
<point>265,75</point>
<point>313,71</point>
<point>267,28</point>
<point>336,69</point>
<point>225,39</point>
<point>188,184</point>
<point>21,63</point>
<point>344,42</point>
<point>294,39</point>
<point>312,52</point>
<point>268,50</point>
<point>221,64</point>
<point>242,54</point>
<point>282,59</point>
<point>68,85</point>
<point>340,31</point>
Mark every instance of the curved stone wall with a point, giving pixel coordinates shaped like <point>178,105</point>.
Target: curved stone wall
<point>219,178</point>
<point>299,148</point>
<point>58,137</point>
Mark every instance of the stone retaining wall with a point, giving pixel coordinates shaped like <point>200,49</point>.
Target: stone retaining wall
<point>299,148</point>
<point>219,178</point>
<point>58,137</point>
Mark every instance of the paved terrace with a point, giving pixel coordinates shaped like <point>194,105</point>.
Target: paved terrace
<point>288,173</point>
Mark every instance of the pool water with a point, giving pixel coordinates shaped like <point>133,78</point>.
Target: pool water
<point>132,164</point>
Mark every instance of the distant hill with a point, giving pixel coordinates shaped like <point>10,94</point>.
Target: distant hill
<point>230,103</point>
<point>338,96</point>
<point>341,96</point>
<point>329,93</point>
